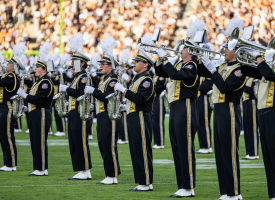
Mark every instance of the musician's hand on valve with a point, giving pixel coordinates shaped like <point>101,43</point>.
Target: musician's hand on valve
<point>120,87</point>
<point>62,88</point>
<point>122,107</point>
<point>253,53</point>
<point>161,52</point>
<point>25,109</point>
<point>210,65</point>
<point>125,76</point>
<point>89,90</point>
<point>22,93</point>
<point>94,74</point>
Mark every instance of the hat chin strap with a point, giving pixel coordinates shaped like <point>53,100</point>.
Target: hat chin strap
<point>77,65</point>
<point>16,68</point>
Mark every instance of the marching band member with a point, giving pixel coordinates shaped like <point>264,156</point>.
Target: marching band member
<point>266,114</point>
<point>140,97</point>
<point>78,130</point>
<point>227,91</point>
<point>159,112</point>
<point>9,83</point>
<point>204,112</point>
<point>182,96</point>
<point>39,107</point>
<point>250,121</point>
<point>107,132</point>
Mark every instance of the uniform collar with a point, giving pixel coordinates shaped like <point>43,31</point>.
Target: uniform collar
<point>43,77</point>
<point>232,63</point>
<point>110,74</point>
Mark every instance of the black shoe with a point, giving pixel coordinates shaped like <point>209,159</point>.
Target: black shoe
<point>71,178</point>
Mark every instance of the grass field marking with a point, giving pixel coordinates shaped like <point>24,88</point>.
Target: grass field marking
<point>65,185</point>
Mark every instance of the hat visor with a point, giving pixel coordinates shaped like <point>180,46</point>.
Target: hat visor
<point>104,61</point>
<point>138,59</point>
<point>9,61</point>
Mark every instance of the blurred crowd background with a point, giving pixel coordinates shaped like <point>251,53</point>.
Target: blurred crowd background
<point>36,21</point>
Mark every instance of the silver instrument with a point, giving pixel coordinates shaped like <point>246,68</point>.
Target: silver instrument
<point>115,99</point>
<point>210,93</point>
<point>60,98</point>
<point>18,101</point>
<point>84,107</point>
<point>243,57</point>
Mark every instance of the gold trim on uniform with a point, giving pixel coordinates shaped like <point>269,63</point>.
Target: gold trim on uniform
<point>113,145</point>
<point>233,147</point>
<point>72,100</point>
<point>161,120</point>
<point>9,133</point>
<point>254,126</point>
<point>43,137</point>
<point>248,83</point>
<point>206,120</point>
<point>2,88</point>
<point>144,147</point>
<point>84,144</point>
<point>125,126</point>
<point>189,141</point>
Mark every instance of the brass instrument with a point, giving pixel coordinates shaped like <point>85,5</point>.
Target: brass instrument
<point>115,99</point>
<point>84,107</point>
<point>164,95</point>
<point>60,98</point>
<point>244,57</point>
<point>18,101</point>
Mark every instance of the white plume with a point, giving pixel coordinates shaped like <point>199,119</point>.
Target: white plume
<point>2,58</point>
<point>193,27</point>
<point>233,23</point>
<point>146,39</point>
<point>76,42</point>
<point>108,45</point>
<point>24,59</point>
<point>53,56</point>
<point>19,49</point>
<point>65,59</point>
<point>95,58</point>
<point>125,55</point>
<point>33,60</point>
<point>44,50</point>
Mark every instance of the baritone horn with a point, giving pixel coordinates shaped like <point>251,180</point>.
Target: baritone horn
<point>244,44</point>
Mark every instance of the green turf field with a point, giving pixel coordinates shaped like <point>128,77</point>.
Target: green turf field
<point>17,185</point>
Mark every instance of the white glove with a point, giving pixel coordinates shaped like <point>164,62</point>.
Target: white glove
<point>167,85</point>
<point>125,76</point>
<point>22,93</point>
<point>253,53</point>
<point>210,65</point>
<point>205,60</point>
<point>122,107</point>
<point>161,52</point>
<point>94,74</point>
<point>49,74</point>
<point>92,107</point>
<point>62,88</point>
<point>120,87</point>
<point>25,109</point>
<point>89,90</point>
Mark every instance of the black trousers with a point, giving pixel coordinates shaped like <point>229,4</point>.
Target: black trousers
<point>7,139</point>
<point>78,131</point>
<point>39,124</point>
<point>27,114</point>
<point>107,135</point>
<point>266,125</point>
<point>204,114</point>
<point>158,121</point>
<point>18,124</point>
<point>122,127</point>
<point>60,122</point>
<point>250,125</point>
<point>182,129</point>
<point>227,127</point>
<point>140,138</point>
